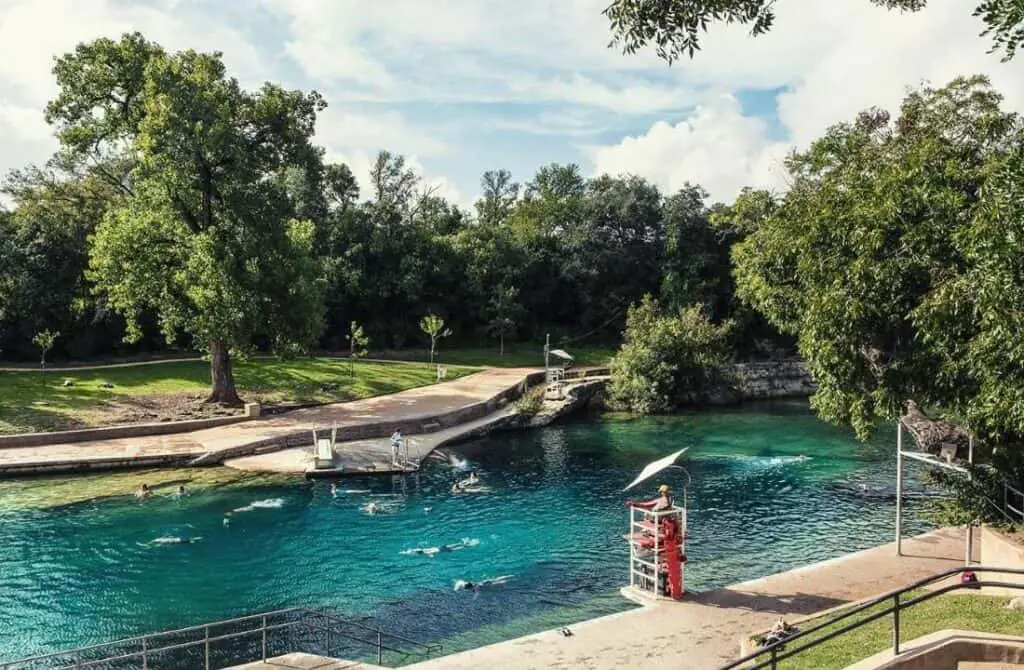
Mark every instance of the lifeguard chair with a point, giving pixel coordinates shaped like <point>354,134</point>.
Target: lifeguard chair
<point>657,551</point>
<point>657,541</point>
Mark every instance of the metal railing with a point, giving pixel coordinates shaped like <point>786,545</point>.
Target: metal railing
<point>271,633</point>
<point>791,646</point>
<point>1013,501</point>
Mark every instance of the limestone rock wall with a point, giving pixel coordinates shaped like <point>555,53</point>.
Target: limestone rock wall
<point>763,380</point>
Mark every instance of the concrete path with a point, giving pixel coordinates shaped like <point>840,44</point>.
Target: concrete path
<point>704,631</point>
<point>371,455</point>
<point>414,404</point>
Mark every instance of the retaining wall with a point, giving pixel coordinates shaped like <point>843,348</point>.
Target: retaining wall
<point>116,432</point>
<point>998,551</point>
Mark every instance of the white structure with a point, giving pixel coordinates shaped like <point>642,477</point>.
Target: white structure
<point>323,448</point>
<point>657,552</point>
<point>554,386</point>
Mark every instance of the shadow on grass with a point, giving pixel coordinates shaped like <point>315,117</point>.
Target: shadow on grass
<point>36,400</point>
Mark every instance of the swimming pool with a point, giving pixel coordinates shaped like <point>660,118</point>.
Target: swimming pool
<point>772,488</point>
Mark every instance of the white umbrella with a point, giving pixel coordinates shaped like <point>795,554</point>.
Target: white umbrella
<point>654,468</point>
<point>561,353</point>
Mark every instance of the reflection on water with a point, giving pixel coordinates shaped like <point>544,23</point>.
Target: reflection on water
<point>772,488</point>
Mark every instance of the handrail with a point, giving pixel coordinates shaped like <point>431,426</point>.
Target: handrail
<point>775,649</point>
<point>309,619</point>
<point>427,647</point>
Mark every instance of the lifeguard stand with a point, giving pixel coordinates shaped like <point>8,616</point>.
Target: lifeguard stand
<point>657,552</point>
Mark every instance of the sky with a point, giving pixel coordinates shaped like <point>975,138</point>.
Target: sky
<point>464,86</point>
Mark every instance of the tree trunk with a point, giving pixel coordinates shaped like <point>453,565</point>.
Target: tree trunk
<point>433,343</point>
<point>221,376</point>
<point>501,345</point>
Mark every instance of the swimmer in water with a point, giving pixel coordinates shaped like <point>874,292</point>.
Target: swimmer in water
<point>371,508</point>
<point>175,540</point>
<point>143,492</point>
<point>334,489</point>
<point>181,491</point>
<point>461,585</point>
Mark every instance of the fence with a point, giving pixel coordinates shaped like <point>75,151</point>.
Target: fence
<point>236,641</point>
<point>802,641</point>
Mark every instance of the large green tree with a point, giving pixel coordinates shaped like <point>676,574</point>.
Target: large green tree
<point>204,236</point>
<point>895,260</point>
<point>675,27</point>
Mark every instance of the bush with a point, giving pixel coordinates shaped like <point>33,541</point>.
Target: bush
<point>531,401</point>
<point>979,497</point>
<point>667,360</point>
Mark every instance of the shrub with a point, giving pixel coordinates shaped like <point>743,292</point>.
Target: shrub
<point>667,360</point>
<point>531,401</point>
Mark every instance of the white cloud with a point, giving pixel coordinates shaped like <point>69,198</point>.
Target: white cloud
<point>835,63</point>
<point>717,147</point>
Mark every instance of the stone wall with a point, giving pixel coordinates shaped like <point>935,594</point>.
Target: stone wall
<point>764,380</point>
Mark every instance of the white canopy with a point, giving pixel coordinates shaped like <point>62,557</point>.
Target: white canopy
<point>561,353</point>
<point>657,466</point>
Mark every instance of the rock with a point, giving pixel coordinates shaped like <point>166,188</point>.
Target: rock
<point>107,385</point>
<point>329,386</point>
<point>1016,603</point>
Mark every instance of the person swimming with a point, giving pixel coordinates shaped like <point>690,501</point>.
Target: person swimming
<point>181,491</point>
<point>172,539</point>
<point>465,585</point>
<point>470,482</point>
<point>143,492</point>
<point>334,489</point>
<point>372,508</point>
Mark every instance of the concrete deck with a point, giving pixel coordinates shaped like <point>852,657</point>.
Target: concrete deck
<point>365,456</point>
<point>215,444</point>
<point>704,631</point>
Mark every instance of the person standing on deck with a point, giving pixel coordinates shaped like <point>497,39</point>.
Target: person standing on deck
<point>396,445</point>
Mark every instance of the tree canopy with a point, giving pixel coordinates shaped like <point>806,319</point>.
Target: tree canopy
<point>203,235</point>
<point>675,27</point>
<point>894,259</point>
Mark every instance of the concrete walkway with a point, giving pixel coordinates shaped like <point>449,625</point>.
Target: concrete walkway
<point>704,631</point>
<point>370,455</point>
<point>417,405</point>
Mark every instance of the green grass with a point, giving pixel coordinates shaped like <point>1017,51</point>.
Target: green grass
<point>522,355</point>
<point>35,400</point>
<point>986,614</point>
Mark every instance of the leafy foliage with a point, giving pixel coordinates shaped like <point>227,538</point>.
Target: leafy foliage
<point>433,326</point>
<point>357,343</point>
<point>866,258</point>
<point>203,235</point>
<point>505,310</point>
<point>44,340</point>
<point>675,27</point>
<point>667,359</point>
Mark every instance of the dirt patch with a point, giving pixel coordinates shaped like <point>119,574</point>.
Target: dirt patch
<point>158,408</point>
<point>1015,535</point>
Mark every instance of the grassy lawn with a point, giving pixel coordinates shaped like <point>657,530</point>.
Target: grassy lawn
<point>522,355</point>
<point>35,400</point>
<point>984,614</point>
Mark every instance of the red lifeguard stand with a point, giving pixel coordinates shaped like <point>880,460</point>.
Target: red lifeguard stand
<point>657,552</point>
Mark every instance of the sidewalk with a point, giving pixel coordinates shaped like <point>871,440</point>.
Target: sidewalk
<point>414,404</point>
<point>703,631</point>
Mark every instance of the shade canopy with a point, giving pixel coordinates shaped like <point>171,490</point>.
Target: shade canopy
<point>560,353</point>
<point>657,466</point>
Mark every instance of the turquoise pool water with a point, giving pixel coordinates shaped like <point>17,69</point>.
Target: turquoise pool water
<point>772,488</point>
